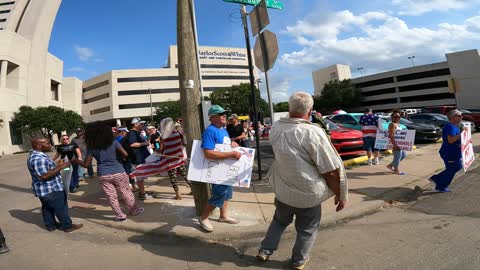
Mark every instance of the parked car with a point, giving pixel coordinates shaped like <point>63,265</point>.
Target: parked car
<point>351,120</point>
<point>472,116</point>
<point>438,109</point>
<point>436,119</point>
<point>423,132</point>
<point>347,141</point>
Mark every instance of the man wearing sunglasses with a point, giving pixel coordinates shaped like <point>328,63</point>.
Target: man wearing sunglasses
<point>217,134</point>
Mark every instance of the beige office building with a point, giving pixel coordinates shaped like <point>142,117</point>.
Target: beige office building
<point>120,95</point>
<point>452,82</point>
<point>325,75</point>
<point>29,75</point>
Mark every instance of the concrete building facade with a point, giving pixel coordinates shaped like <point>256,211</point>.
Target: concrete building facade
<point>453,82</point>
<point>29,75</point>
<point>325,75</point>
<point>120,95</point>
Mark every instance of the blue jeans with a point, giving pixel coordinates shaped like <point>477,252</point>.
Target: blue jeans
<point>398,155</point>
<point>220,194</point>
<point>54,205</point>
<point>307,223</point>
<point>74,183</point>
<point>444,178</point>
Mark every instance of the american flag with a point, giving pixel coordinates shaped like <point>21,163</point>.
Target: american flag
<point>369,124</point>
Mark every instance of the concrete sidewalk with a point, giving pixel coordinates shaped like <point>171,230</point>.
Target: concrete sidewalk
<point>371,187</point>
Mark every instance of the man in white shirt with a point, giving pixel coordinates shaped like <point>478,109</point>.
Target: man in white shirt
<point>306,171</point>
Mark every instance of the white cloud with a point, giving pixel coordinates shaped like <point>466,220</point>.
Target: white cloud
<point>83,53</point>
<point>419,7</point>
<point>76,69</point>
<point>374,40</point>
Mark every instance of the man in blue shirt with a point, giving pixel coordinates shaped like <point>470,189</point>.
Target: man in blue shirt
<point>450,152</point>
<point>217,134</point>
<point>47,186</point>
<point>140,150</point>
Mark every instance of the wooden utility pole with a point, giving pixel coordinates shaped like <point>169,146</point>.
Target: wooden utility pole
<point>188,78</point>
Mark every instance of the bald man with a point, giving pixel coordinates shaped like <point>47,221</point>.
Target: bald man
<point>47,186</point>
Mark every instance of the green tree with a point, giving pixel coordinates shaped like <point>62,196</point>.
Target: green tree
<point>281,107</point>
<point>46,120</point>
<point>169,108</point>
<point>337,95</point>
<point>236,99</point>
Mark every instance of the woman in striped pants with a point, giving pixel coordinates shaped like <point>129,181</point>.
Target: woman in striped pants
<point>102,146</point>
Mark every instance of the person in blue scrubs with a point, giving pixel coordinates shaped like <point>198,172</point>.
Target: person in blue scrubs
<point>217,134</point>
<point>450,152</point>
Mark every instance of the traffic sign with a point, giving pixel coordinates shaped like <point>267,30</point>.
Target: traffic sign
<point>259,18</point>
<point>275,4</point>
<point>265,50</point>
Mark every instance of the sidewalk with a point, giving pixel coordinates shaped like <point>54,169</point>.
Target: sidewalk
<point>371,187</point>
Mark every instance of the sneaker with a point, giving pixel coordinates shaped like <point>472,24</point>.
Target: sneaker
<point>445,190</point>
<point>145,196</point>
<point>376,161</point>
<point>120,219</point>
<point>74,227</point>
<point>137,211</point>
<point>73,190</point>
<point>206,225</point>
<point>369,162</point>
<point>4,248</point>
<point>263,255</point>
<point>298,266</point>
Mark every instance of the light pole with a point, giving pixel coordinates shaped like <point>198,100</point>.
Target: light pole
<point>361,71</point>
<point>258,81</point>
<point>411,58</point>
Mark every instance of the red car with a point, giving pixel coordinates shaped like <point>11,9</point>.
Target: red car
<point>348,142</point>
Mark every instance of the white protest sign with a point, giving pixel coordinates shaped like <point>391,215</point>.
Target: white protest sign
<point>403,138</point>
<point>229,172</point>
<point>468,155</point>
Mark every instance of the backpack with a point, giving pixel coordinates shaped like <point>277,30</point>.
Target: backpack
<point>129,149</point>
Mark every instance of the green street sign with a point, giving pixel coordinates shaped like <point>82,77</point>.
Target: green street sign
<point>270,3</point>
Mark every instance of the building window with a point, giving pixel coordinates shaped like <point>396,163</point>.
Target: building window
<point>15,134</point>
<point>100,110</point>
<point>147,79</point>
<point>333,76</point>
<point>423,86</point>
<point>96,98</point>
<point>147,91</point>
<point>7,3</point>
<point>4,11</point>
<point>95,86</point>
<point>375,82</point>
<point>3,20</point>
<point>422,75</point>
<point>54,90</point>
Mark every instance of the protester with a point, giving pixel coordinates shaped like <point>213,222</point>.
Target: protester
<point>235,130</point>
<point>121,137</point>
<point>140,150</point>
<point>398,154</point>
<point>305,172</point>
<point>3,243</point>
<point>47,186</point>
<point>248,133</point>
<point>369,123</point>
<point>450,152</point>
<point>221,194</point>
<point>154,138</point>
<point>79,141</point>
<point>102,146</point>
<point>67,151</point>
<point>171,147</point>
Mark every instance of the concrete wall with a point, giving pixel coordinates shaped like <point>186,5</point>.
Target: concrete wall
<point>72,94</point>
<point>465,69</point>
<point>325,75</point>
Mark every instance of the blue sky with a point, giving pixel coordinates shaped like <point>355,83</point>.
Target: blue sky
<point>93,37</point>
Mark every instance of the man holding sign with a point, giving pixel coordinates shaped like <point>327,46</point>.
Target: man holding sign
<point>217,134</point>
<point>450,152</point>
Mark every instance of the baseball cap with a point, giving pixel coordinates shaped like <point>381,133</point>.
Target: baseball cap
<point>216,109</point>
<point>138,120</point>
<point>233,116</point>
<point>122,129</point>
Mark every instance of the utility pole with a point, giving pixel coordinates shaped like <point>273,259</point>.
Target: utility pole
<point>188,76</point>
<point>252,87</point>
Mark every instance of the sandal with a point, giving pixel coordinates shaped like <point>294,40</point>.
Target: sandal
<point>228,220</point>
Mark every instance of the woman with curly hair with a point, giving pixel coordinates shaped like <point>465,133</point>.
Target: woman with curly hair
<point>102,146</point>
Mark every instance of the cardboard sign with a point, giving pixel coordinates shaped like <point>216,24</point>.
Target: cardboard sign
<point>468,155</point>
<point>403,138</point>
<point>229,172</point>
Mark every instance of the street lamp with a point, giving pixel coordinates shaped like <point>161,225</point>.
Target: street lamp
<point>411,58</point>
<point>361,71</point>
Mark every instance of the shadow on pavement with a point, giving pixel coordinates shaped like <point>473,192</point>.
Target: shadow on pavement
<point>389,194</point>
<point>15,188</point>
<point>32,216</point>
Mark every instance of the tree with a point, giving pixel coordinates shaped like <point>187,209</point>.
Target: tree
<point>46,120</point>
<point>281,107</point>
<point>337,95</point>
<point>236,99</point>
<point>169,108</point>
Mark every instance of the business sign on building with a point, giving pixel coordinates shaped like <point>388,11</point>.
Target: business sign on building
<point>212,54</point>
<point>403,138</point>
<point>468,155</point>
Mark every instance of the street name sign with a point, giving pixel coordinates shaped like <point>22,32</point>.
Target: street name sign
<point>275,4</point>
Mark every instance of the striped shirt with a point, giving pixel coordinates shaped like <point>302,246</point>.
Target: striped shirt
<point>173,157</point>
<point>38,164</point>
<point>369,123</point>
<point>303,153</point>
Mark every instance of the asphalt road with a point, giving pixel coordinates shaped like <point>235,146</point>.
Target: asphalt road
<point>439,231</point>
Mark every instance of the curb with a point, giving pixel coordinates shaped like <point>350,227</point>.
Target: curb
<point>363,159</point>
